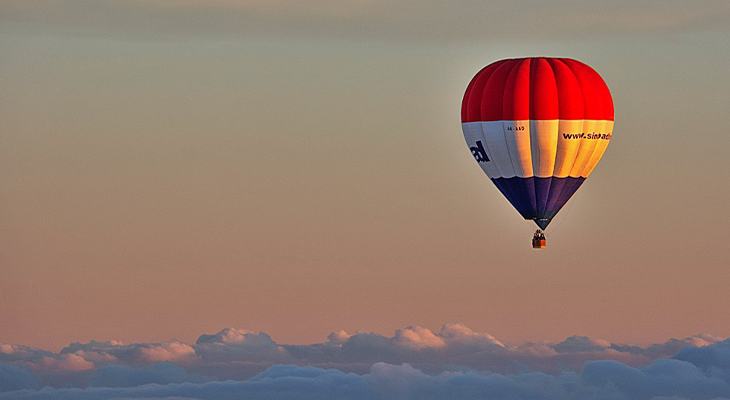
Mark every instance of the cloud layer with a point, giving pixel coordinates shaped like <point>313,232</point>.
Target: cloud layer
<point>413,363</point>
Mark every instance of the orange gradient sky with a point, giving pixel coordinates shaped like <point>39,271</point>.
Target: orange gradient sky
<point>172,168</point>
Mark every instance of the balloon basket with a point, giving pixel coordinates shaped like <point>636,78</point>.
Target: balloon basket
<point>538,240</point>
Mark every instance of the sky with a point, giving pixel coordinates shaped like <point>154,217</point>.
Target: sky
<point>297,168</point>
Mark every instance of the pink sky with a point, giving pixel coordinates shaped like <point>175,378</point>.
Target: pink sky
<point>171,170</point>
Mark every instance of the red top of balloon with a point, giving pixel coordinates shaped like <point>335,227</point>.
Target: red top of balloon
<point>538,89</point>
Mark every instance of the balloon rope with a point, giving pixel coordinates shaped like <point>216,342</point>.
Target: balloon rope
<point>547,235</point>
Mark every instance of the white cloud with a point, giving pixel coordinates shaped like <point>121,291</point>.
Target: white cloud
<point>338,337</point>
<point>416,337</point>
<point>172,351</point>
<point>233,344</point>
<point>459,334</point>
<point>114,352</point>
<point>64,362</point>
<point>238,337</point>
<point>663,379</point>
<point>415,362</point>
<point>576,344</point>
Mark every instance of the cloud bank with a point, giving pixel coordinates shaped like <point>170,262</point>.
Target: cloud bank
<point>454,362</point>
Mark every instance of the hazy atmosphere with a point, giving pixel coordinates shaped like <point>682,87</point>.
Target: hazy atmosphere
<point>171,169</point>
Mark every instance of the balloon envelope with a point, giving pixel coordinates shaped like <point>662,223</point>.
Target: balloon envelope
<point>537,127</point>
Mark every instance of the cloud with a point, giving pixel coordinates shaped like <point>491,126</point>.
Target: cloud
<point>160,373</point>
<point>9,352</point>
<point>233,344</point>
<point>64,362</point>
<point>17,378</point>
<point>456,334</point>
<point>416,337</point>
<point>173,351</point>
<point>403,20</point>
<point>707,357</point>
<point>663,379</point>
<point>338,337</point>
<point>114,352</point>
<point>415,362</point>
<point>575,344</point>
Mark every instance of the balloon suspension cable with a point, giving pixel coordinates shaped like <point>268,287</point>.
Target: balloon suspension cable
<point>570,207</point>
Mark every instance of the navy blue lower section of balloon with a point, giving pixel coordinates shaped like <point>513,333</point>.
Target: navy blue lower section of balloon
<point>538,199</point>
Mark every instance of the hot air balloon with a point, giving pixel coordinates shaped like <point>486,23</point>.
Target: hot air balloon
<point>537,127</point>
